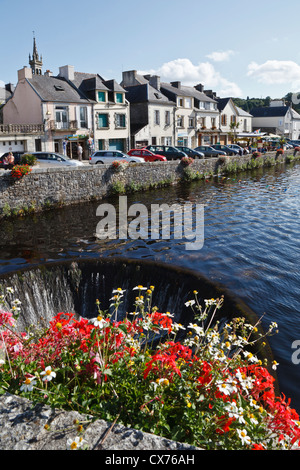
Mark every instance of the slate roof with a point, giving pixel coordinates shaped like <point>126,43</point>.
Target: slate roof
<point>56,89</point>
<point>145,93</point>
<point>242,112</point>
<point>4,95</point>
<point>87,82</point>
<point>269,111</point>
<point>222,102</point>
<point>188,91</point>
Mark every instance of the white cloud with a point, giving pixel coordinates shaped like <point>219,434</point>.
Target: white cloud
<point>276,72</point>
<point>220,56</point>
<point>190,74</point>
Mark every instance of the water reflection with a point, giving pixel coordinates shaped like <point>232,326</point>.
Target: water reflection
<point>251,245</point>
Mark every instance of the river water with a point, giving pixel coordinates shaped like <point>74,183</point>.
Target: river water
<point>251,246</point>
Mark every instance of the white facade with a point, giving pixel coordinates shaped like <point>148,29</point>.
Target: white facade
<point>286,124</point>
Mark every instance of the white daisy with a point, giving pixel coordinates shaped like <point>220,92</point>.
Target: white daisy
<point>48,374</point>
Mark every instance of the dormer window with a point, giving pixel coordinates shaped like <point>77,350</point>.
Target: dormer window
<point>101,96</point>
<point>119,98</point>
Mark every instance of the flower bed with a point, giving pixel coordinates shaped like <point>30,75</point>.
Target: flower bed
<point>119,165</point>
<point>208,390</point>
<point>18,171</point>
<point>186,161</point>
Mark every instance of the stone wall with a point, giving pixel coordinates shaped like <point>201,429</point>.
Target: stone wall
<point>71,185</point>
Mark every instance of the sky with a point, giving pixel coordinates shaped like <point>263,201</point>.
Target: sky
<point>236,48</point>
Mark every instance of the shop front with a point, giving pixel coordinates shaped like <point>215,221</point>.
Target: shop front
<point>68,145</point>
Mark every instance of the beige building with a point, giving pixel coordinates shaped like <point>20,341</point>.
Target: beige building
<point>65,114</point>
<point>196,114</point>
<point>151,112</point>
<point>110,109</point>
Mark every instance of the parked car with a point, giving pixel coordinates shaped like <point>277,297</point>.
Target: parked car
<point>17,157</point>
<point>190,152</point>
<point>171,153</point>
<point>146,155</point>
<point>294,143</point>
<point>52,159</point>
<point>241,150</point>
<point>109,156</point>
<point>226,149</point>
<point>209,151</point>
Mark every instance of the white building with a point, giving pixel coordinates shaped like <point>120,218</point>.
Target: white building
<point>278,119</point>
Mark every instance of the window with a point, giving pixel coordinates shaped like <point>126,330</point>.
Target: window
<point>213,123</point>
<point>180,102</point>
<point>119,98</point>
<point>102,121</point>
<point>167,118</point>
<point>168,141</point>
<point>201,105</point>
<point>83,118</point>
<point>223,119</point>
<point>191,122</point>
<point>202,122</point>
<point>101,96</point>
<point>188,102</point>
<point>233,119</point>
<point>180,121</point>
<point>156,117</point>
<point>61,117</point>
<point>120,120</point>
<point>101,145</point>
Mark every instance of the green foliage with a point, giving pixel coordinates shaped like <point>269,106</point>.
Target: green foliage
<point>28,159</point>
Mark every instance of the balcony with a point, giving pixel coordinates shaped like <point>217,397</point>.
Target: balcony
<point>14,129</point>
<point>63,126</point>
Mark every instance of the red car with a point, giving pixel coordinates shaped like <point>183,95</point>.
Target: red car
<point>146,155</point>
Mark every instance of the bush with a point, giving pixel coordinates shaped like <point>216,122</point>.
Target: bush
<point>28,159</point>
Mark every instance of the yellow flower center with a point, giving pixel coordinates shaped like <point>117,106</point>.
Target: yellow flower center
<point>73,445</point>
<point>48,372</point>
<point>27,381</point>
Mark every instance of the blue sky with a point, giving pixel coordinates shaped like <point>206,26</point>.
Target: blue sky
<point>235,48</point>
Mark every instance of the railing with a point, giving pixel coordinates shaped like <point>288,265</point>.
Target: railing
<point>21,129</point>
<point>71,125</point>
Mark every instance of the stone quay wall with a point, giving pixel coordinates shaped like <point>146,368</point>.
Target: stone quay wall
<point>54,187</point>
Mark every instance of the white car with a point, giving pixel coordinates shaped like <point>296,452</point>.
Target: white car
<point>52,159</point>
<point>109,156</point>
<point>238,148</point>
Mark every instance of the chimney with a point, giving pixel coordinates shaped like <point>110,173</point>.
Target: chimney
<point>155,81</point>
<point>176,84</point>
<point>199,87</point>
<point>129,78</point>
<point>25,72</point>
<point>9,87</point>
<point>48,73</point>
<point>67,72</point>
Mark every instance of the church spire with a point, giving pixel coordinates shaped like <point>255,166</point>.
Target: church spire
<point>35,61</point>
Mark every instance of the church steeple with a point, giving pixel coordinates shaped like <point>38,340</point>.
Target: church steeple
<point>35,61</point>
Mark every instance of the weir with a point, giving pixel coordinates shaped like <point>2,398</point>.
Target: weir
<point>73,286</point>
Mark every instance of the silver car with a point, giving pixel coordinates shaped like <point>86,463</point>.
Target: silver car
<point>109,156</point>
<point>52,159</point>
